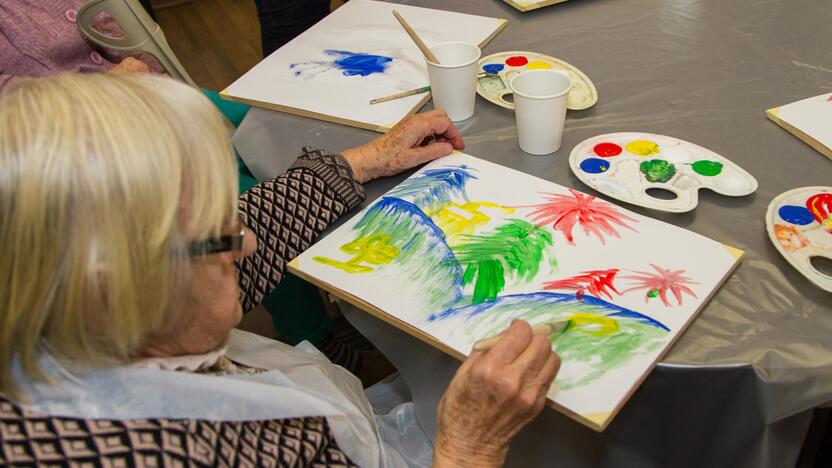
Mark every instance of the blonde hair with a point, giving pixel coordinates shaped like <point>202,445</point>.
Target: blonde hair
<point>103,180</point>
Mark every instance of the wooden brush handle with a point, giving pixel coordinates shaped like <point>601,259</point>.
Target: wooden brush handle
<point>410,32</point>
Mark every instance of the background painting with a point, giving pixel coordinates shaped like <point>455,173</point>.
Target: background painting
<point>357,53</point>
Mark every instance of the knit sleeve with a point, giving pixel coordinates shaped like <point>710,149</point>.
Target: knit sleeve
<point>288,213</point>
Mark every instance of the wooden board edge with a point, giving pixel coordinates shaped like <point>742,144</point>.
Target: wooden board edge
<point>774,116</point>
<point>503,23</point>
<point>524,7</point>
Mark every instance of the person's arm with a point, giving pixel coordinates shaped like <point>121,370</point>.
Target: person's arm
<point>288,213</point>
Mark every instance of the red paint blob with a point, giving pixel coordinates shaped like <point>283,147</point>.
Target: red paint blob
<point>606,150</point>
<point>517,61</point>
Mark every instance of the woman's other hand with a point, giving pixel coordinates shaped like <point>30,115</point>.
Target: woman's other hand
<point>492,396</point>
<point>129,65</point>
<point>415,140</point>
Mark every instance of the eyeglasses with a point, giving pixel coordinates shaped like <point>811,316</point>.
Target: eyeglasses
<point>225,243</point>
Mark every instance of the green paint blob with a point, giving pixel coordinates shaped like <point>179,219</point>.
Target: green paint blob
<point>514,249</point>
<point>653,293</point>
<point>658,170</point>
<point>707,168</point>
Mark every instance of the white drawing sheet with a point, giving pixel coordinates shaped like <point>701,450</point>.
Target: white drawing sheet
<point>357,53</point>
<point>464,246</point>
<point>809,119</point>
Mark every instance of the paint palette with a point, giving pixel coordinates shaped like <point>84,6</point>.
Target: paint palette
<point>501,68</point>
<point>641,168</point>
<point>799,223</point>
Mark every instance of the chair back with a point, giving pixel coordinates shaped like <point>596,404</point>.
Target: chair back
<point>141,33</point>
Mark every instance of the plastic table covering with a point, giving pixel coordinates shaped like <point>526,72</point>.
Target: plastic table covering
<point>739,386</point>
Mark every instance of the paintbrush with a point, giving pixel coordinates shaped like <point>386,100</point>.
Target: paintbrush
<point>542,329</point>
<point>423,89</point>
<point>410,32</point>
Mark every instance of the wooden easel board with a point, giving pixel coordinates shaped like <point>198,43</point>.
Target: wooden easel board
<point>357,53</point>
<point>452,256</point>
<point>809,119</point>
<point>531,5</point>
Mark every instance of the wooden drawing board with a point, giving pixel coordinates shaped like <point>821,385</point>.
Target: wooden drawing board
<point>726,257</point>
<point>357,53</point>
<point>809,120</point>
<point>531,5</point>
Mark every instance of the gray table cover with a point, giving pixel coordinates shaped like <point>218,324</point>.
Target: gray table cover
<point>739,386</point>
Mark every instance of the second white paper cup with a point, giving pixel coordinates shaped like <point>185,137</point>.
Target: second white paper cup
<point>540,108</point>
<point>453,83</point>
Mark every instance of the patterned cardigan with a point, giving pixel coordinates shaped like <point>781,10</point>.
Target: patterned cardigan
<point>286,214</point>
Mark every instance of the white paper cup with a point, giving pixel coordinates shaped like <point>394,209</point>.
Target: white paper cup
<point>540,108</point>
<point>453,83</point>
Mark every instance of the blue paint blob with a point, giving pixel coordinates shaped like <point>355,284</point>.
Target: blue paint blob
<point>595,165</point>
<point>356,63</point>
<point>796,215</point>
<point>493,68</point>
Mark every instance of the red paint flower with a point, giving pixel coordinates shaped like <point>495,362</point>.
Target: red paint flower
<point>595,282</point>
<point>595,216</point>
<point>657,284</point>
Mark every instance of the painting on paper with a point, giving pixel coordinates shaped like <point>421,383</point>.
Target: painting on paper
<point>464,246</point>
<point>356,54</point>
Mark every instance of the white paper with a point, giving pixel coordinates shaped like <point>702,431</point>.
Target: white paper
<point>812,116</point>
<point>411,273</point>
<point>302,76</point>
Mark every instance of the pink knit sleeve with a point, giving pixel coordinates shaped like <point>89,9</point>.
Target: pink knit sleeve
<point>5,80</point>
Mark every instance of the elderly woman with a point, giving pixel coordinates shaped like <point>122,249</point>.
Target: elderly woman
<point>127,260</point>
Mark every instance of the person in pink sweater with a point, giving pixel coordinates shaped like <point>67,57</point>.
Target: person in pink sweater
<point>40,38</point>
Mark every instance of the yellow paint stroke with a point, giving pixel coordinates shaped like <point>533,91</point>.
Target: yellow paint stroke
<point>539,65</point>
<point>593,324</point>
<point>374,249</point>
<point>642,147</point>
<point>456,220</point>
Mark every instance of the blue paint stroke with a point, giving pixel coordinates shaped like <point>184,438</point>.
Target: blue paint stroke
<point>435,188</point>
<point>594,165</point>
<point>359,64</point>
<point>349,63</point>
<point>493,68</point>
<point>796,215</point>
<point>547,298</point>
<point>424,254</point>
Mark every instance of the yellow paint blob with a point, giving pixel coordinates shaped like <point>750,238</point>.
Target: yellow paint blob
<point>457,219</point>
<point>642,147</point>
<point>374,249</point>
<point>593,324</point>
<point>538,65</point>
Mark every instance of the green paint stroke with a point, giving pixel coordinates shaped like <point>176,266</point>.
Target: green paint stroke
<point>658,170</point>
<point>594,339</point>
<point>707,168</point>
<point>514,249</point>
<point>423,255</point>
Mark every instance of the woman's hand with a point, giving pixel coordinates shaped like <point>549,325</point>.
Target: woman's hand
<point>415,140</point>
<point>492,396</point>
<point>129,65</point>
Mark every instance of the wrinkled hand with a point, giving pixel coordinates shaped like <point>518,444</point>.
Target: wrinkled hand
<point>129,65</point>
<point>493,395</point>
<point>415,140</point>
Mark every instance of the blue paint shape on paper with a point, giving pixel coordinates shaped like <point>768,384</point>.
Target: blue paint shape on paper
<point>796,215</point>
<point>594,165</point>
<point>434,188</point>
<point>357,63</point>
<point>493,68</point>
